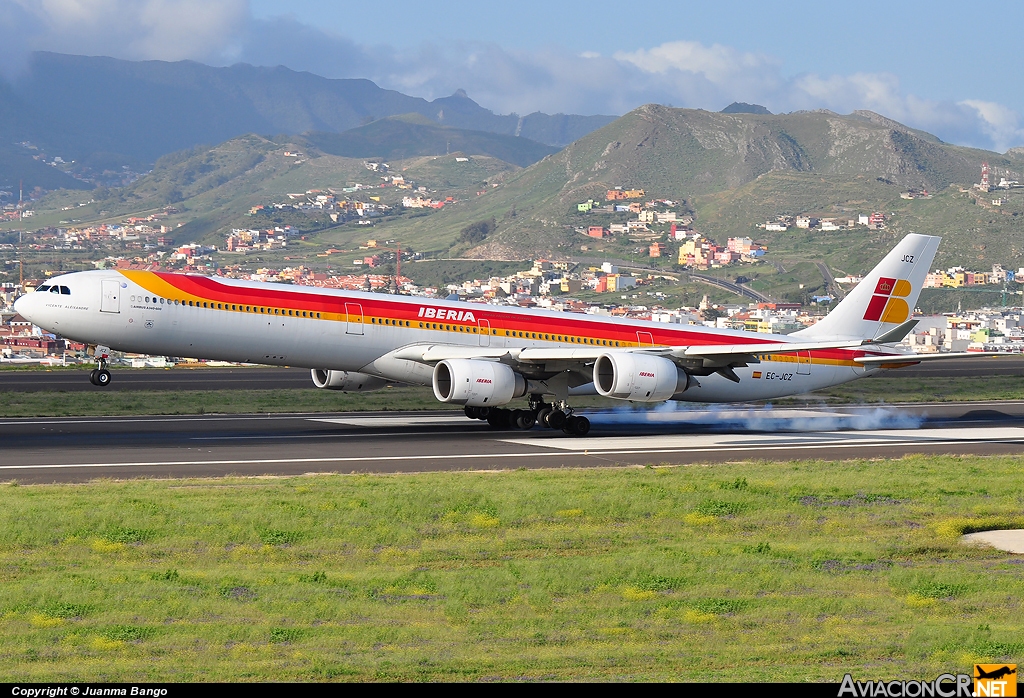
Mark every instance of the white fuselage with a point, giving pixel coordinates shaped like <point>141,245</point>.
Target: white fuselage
<point>280,324</point>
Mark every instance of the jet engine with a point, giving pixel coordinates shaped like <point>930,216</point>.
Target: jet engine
<point>638,377</point>
<point>477,383</point>
<point>348,381</point>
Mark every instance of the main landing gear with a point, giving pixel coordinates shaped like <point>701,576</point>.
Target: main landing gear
<point>100,376</point>
<point>556,416</point>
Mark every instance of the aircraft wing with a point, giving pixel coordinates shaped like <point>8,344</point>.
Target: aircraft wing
<point>712,353</point>
<point>702,355</point>
<point>434,353</point>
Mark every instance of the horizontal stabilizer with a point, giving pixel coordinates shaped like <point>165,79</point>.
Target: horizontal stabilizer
<point>918,358</point>
<point>896,334</point>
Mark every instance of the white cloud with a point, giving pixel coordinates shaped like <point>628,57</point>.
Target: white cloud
<point>134,29</point>
<point>680,73</point>
<point>720,65</point>
<point>1001,124</point>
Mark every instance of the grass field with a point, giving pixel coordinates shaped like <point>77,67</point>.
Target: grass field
<point>68,404</point>
<point>886,388</point>
<point>748,571</point>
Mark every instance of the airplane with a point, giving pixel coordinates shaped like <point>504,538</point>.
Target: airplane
<point>479,356</point>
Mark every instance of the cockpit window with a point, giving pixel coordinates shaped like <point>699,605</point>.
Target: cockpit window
<point>65,291</point>
<point>43,289</point>
<point>54,289</point>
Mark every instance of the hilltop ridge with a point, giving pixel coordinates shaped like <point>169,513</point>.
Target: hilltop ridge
<point>97,108</point>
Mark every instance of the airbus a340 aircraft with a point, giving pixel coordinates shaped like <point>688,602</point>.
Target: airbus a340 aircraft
<point>484,356</point>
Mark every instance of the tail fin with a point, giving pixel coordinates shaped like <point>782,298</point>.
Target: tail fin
<point>885,298</point>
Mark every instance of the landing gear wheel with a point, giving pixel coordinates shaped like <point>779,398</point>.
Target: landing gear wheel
<point>499,418</point>
<point>542,415</point>
<point>92,376</point>
<point>557,419</point>
<point>577,426</point>
<point>524,419</point>
<point>103,377</point>
<point>471,412</point>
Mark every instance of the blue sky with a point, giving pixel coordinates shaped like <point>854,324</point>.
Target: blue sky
<point>938,48</point>
<point>954,69</point>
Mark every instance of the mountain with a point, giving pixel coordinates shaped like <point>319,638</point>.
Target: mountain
<point>400,137</point>
<point>744,108</point>
<point>80,107</point>
<point>733,171</point>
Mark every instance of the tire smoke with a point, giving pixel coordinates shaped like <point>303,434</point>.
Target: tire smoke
<point>764,418</point>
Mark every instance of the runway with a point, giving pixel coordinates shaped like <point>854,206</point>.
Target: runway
<point>178,378</point>
<point>40,450</point>
<point>270,378</point>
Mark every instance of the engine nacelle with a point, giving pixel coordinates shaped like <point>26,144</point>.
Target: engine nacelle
<point>477,383</point>
<point>348,381</point>
<point>638,377</point>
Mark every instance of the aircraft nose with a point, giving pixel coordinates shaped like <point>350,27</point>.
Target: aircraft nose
<point>23,306</point>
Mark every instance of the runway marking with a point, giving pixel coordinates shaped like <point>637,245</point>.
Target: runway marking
<point>703,442</point>
<point>159,419</point>
<point>433,420</point>
<point>592,447</point>
<point>299,437</point>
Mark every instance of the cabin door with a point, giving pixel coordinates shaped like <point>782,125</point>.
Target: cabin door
<point>354,311</point>
<point>110,298</point>
<point>484,327</point>
<point>803,363</point>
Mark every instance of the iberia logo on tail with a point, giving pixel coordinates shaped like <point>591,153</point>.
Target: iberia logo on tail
<point>887,302</point>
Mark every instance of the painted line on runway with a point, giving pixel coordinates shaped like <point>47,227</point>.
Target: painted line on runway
<point>806,440</point>
<point>332,435</point>
<point>410,421</point>
<point>158,419</point>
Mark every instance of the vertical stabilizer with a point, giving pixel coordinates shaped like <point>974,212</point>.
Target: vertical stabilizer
<point>885,298</point>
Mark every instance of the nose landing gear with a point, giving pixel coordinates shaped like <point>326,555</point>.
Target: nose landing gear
<point>100,376</point>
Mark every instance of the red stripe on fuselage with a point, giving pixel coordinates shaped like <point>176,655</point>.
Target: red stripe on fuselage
<point>572,324</point>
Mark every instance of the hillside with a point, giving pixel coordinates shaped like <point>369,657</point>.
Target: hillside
<point>732,170</point>
<point>18,166</point>
<point>412,135</point>
<point>81,107</point>
<point>211,190</point>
